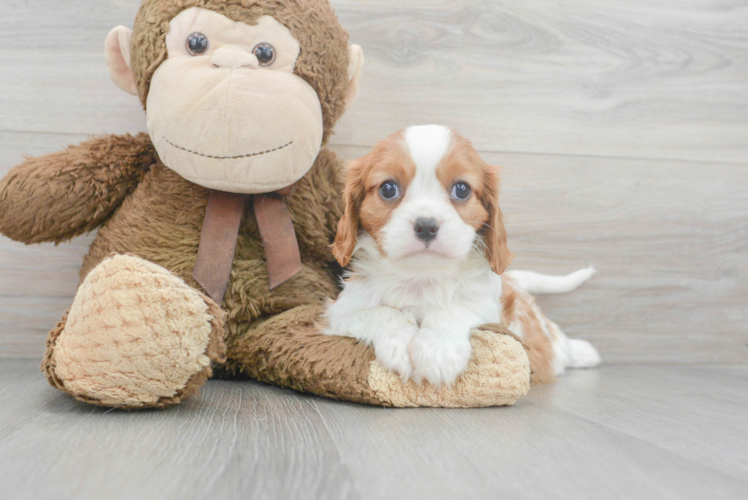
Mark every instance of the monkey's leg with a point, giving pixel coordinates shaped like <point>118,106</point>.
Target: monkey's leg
<point>289,350</point>
<point>136,336</point>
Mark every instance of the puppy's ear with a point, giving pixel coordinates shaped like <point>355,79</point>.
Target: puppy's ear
<point>497,251</point>
<point>348,227</point>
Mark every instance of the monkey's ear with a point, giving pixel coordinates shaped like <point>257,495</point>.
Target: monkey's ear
<point>355,65</point>
<point>118,59</point>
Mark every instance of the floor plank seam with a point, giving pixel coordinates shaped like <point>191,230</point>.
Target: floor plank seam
<point>341,455</point>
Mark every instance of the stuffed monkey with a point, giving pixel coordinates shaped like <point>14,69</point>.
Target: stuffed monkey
<point>214,228</point>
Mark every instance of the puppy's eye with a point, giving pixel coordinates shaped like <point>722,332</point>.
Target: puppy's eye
<point>265,53</point>
<point>197,44</point>
<point>389,190</point>
<point>461,191</point>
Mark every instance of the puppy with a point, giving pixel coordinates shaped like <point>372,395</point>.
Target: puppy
<point>424,237</point>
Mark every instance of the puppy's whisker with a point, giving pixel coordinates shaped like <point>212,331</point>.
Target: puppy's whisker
<point>484,224</point>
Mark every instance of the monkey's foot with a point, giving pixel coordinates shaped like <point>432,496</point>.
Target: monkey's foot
<point>136,336</point>
<point>498,374</point>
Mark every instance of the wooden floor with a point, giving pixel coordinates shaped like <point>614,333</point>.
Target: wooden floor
<point>632,431</point>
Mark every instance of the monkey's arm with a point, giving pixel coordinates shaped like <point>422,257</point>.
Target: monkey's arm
<point>61,195</point>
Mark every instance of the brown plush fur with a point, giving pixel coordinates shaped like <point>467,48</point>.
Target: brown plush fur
<point>65,194</point>
<point>288,350</point>
<point>160,219</point>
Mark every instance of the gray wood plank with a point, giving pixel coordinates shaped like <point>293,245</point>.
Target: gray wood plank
<point>669,240</point>
<point>698,413</point>
<point>54,77</point>
<point>531,451</point>
<point>239,440</point>
<point>642,78</point>
<point>652,79</point>
<point>243,439</point>
<point>25,322</point>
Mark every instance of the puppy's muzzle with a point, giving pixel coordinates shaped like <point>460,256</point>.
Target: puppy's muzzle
<point>426,229</point>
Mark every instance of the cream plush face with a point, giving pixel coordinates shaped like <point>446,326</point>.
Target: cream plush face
<point>223,119</point>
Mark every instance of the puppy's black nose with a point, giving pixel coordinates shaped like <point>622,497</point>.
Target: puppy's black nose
<point>426,229</point>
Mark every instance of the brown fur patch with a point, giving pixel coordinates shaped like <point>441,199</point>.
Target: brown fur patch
<point>494,234</point>
<point>462,164</point>
<point>481,210</point>
<point>508,303</point>
<point>364,208</point>
<point>519,307</point>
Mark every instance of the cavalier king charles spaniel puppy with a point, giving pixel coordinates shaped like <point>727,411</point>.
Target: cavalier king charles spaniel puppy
<point>424,237</point>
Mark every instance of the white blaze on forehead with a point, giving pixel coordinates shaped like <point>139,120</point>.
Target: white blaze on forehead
<point>427,145</point>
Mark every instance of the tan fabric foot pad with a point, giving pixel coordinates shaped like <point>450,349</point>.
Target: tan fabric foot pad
<point>498,375</point>
<point>136,336</point>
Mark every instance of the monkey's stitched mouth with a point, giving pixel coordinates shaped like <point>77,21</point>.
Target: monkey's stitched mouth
<point>227,157</point>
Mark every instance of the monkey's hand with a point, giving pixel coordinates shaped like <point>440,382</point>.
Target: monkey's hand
<point>62,195</point>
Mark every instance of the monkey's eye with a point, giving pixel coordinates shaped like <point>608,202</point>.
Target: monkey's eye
<point>265,53</point>
<point>461,191</point>
<point>389,190</point>
<point>197,44</point>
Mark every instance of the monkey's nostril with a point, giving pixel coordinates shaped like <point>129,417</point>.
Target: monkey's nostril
<point>230,58</point>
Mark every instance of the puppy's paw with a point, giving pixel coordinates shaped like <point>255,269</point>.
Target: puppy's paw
<point>437,358</point>
<point>392,351</point>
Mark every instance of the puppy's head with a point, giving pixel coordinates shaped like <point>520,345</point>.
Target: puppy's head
<point>424,196</point>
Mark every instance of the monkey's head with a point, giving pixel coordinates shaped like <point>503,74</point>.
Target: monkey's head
<point>239,94</point>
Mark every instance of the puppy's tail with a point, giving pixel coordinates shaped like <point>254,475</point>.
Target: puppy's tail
<point>542,283</point>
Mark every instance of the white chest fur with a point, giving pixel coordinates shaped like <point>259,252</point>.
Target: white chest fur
<point>417,312</point>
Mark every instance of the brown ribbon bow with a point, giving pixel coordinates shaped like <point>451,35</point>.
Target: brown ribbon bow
<point>220,232</point>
